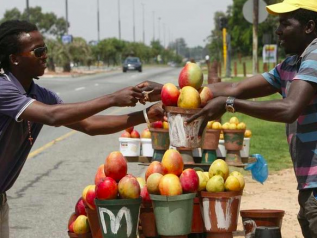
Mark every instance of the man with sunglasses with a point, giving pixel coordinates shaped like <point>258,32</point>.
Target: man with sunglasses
<point>25,107</point>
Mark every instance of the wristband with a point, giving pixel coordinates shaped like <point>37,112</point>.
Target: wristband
<point>146,118</point>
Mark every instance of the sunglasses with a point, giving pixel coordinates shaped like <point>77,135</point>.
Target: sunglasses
<point>37,52</point>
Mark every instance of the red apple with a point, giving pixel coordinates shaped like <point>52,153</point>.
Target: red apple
<point>135,134</point>
<point>126,134</point>
<point>172,162</point>
<point>90,197</point>
<point>84,193</point>
<point>80,207</point>
<point>145,195</point>
<point>107,189</point>
<point>100,174</point>
<point>170,185</point>
<point>146,133</point>
<point>189,181</point>
<point>130,129</point>
<point>191,75</point>
<point>129,187</point>
<point>71,220</point>
<point>116,166</point>
<point>157,124</point>
<point>205,95</point>
<point>155,167</point>
<point>169,94</point>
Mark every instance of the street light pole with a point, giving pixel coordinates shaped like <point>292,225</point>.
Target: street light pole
<point>28,10</point>
<point>66,3</point>
<point>164,33</point>
<point>98,23</point>
<point>159,33</point>
<point>119,23</point>
<point>143,24</point>
<point>153,25</point>
<point>133,22</point>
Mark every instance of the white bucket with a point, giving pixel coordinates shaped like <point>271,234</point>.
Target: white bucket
<point>130,146</point>
<point>244,153</point>
<point>147,149</point>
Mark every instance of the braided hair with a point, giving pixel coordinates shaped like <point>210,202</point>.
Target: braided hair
<point>10,32</point>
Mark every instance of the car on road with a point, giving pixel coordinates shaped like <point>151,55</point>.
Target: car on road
<point>132,63</point>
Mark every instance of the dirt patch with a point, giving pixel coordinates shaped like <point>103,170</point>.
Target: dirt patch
<point>277,192</point>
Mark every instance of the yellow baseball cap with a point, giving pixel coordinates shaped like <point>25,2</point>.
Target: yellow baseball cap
<point>292,5</point>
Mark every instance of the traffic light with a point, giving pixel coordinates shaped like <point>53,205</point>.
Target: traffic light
<point>222,23</point>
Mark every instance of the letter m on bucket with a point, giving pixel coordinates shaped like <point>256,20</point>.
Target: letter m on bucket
<point>115,221</point>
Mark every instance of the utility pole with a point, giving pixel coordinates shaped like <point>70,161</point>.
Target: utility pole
<point>255,35</point>
<point>133,23</point>
<point>143,24</point>
<point>153,25</point>
<point>159,33</point>
<point>98,23</point>
<point>119,23</point>
<point>66,3</point>
<point>28,10</point>
<point>164,34</point>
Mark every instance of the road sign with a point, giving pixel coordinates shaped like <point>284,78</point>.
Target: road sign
<point>248,11</point>
<point>66,39</point>
<point>269,53</point>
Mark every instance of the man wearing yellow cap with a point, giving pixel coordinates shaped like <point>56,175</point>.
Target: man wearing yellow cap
<point>296,80</point>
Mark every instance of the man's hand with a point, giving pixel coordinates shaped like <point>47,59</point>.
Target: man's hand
<point>127,97</point>
<point>149,86</point>
<point>214,109</point>
<point>155,112</point>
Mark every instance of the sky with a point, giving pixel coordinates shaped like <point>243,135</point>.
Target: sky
<point>165,20</point>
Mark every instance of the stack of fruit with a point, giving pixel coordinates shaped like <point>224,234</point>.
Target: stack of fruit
<point>130,133</point>
<point>78,222</point>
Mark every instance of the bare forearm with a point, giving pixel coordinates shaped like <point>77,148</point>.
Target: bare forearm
<point>107,124</point>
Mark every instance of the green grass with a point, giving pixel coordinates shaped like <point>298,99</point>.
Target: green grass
<point>268,138</point>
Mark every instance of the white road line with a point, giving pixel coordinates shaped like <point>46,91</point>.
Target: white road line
<point>78,89</point>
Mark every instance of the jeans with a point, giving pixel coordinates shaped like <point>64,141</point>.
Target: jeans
<point>4,221</point>
<point>307,216</point>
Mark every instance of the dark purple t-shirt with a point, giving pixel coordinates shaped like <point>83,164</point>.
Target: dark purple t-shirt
<point>14,133</point>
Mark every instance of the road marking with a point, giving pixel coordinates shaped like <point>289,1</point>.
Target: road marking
<point>81,88</point>
<point>61,138</point>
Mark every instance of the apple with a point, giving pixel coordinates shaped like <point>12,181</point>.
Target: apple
<point>129,129</point>
<point>205,95</point>
<point>145,195</point>
<point>157,124</point>
<point>172,162</point>
<point>126,134</point>
<point>107,189</point>
<point>90,197</point>
<point>116,166</point>
<point>146,133</point>
<point>152,183</point>
<point>71,220</point>
<point>135,134</point>
<point>169,94</point>
<point>129,187</point>
<point>189,98</point>
<point>100,174</point>
<point>191,75</point>
<point>80,207</point>
<point>189,181</point>
<point>170,185</point>
<point>154,167</point>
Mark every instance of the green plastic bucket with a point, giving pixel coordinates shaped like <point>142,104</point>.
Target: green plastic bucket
<point>119,218</point>
<point>173,214</point>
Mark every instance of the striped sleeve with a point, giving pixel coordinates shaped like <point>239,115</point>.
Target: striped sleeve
<point>273,77</point>
<point>308,68</point>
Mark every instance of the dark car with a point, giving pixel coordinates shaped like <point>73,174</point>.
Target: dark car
<point>132,63</point>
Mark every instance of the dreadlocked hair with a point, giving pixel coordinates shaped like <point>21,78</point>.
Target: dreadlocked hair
<point>10,32</point>
<point>303,16</point>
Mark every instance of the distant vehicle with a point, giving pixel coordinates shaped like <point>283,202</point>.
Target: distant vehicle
<point>132,63</point>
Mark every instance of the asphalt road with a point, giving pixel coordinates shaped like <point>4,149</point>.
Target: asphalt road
<point>63,162</point>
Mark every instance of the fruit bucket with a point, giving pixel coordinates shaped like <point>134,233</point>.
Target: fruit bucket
<point>181,134</point>
<point>146,147</point>
<point>160,138</point>
<point>173,214</point>
<point>210,139</point>
<point>147,219</point>
<point>119,218</point>
<point>130,146</point>
<point>233,139</point>
<point>253,218</point>
<point>93,222</point>
<point>74,235</point>
<point>267,232</point>
<point>197,222</point>
<point>220,212</point>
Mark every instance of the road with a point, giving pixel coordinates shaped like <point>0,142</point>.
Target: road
<point>63,162</point>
